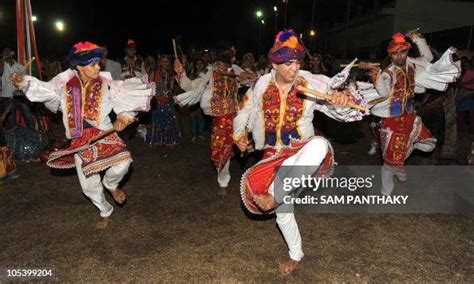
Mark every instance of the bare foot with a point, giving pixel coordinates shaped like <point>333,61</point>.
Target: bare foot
<point>222,191</point>
<point>264,201</point>
<point>118,195</point>
<point>102,223</point>
<point>288,266</point>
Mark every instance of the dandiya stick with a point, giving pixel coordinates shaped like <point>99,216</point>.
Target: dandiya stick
<point>104,134</point>
<point>318,95</point>
<point>357,65</point>
<point>175,50</point>
<point>27,65</point>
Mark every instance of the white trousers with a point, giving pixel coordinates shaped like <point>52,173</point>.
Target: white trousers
<point>223,176</point>
<point>311,156</point>
<point>92,185</point>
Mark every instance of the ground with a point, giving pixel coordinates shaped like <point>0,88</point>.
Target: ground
<point>174,228</point>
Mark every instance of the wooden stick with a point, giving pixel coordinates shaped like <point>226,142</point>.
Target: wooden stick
<point>102,135</point>
<point>412,31</point>
<point>105,133</point>
<point>318,95</point>
<point>29,62</point>
<point>26,65</point>
<point>357,65</point>
<point>175,51</point>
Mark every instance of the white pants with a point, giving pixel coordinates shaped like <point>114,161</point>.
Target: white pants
<point>92,185</point>
<point>223,176</point>
<point>311,156</point>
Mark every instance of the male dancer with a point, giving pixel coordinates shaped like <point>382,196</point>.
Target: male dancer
<point>86,96</point>
<point>280,121</point>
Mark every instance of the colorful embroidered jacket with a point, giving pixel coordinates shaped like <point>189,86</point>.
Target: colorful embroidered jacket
<point>137,69</point>
<point>216,93</point>
<point>397,86</point>
<point>89,105</point>
<point>273,121</point>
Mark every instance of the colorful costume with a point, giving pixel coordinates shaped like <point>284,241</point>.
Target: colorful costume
<point>85,109</point>
<point>163,129</point>
<point>401,130</point>
<point>217,94</point>
<point>281,126</point>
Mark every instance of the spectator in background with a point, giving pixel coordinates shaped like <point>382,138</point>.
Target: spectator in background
<point>110,66</point>
<point>13,98</point>
<point>195,112</point>
<point>249,64</point>
<point>327,62</point>
<point>132,65</point>
<point>163,129</point>
<point>316,65</point>
<point>263,65</point>
<point>465,98</point>
<point>150,65</point>
<point>206,57</point>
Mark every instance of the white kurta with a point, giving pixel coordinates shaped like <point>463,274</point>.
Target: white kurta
<point>123,97</point>
<point>7,86</point>
<point>436,76</point>
<point>114,68</point>
<point>251,118</point>
<point>199,90</point>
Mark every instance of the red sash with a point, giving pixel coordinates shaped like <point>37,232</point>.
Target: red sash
<point>105,153</point>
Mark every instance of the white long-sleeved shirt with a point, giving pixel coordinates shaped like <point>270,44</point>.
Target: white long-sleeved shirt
<point>435,76</point>
<point>201,90</point>
<point>7,86</point>
<point>124,97</point>
<point>252,116</point>
<point>114,68</point>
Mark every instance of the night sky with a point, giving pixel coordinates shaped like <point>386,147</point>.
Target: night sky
<point>153,24</point>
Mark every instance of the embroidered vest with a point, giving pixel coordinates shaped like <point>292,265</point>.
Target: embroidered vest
<point>281,118</point>
<point>403,90</point>
<point>82,102</point>
<point>131,70</point>
<point>224,92</point>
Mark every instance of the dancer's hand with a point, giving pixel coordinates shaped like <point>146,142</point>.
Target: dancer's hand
<point>242,143</point>
<point>341,98</point>
<point>16,79</point>
<point>178,67</point>
<point>414,34</point>
<point>246,76</point>
<point>122,122</point>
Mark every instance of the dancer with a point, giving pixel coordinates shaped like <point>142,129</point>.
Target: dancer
<point>280,121</point>
<point>401,130</point>
<point>86,96</point>
<point>217,93</point>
